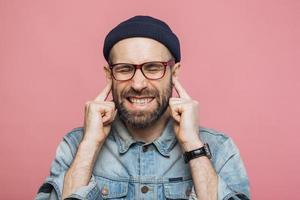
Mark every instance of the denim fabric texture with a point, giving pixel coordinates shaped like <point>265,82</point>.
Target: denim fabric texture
<point>129,169</point>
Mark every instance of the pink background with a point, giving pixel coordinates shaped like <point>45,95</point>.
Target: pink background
<point>240,60</point>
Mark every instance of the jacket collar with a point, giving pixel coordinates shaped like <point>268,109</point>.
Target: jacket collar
<point>164,143</point>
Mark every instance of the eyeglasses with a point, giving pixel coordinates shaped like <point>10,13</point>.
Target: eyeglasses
<point>151,70</point>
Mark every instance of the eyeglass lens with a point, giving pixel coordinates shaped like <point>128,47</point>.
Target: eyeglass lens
<point>151,70</point>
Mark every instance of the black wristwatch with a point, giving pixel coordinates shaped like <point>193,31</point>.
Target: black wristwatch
<point>203,151</point>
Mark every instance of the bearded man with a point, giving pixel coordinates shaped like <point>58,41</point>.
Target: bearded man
<point>145,143</point>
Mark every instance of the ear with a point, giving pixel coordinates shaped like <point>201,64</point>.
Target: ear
<point>175,70</point>
<point>107,72</point>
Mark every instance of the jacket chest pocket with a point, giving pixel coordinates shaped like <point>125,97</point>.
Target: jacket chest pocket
<point>111,189</point>
<point>178,190</point>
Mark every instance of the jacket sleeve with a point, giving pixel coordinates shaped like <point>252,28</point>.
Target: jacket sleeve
<point>233,179</point>
<point>51,189</point>
<point>233,182</point>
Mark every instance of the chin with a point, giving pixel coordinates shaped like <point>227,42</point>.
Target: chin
<point>139,119</point>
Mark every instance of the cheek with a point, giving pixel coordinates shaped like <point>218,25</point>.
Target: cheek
<point>161,89</point>
<point>115,91</point>
<point>118,89</point>
<point>163,85</point>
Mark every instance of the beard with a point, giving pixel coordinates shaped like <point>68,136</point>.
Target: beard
<point>142,119</point>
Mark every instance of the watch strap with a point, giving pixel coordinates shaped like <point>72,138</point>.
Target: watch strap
<point>202,151</point>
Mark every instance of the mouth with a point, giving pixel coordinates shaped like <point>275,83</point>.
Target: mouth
<point>140,101</point>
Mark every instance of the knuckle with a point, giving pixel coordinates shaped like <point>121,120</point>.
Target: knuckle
<point>112,104</point>
<point>93,105</point>
<point>97,102</point>
<point>173,107</point>
<point>113,107</point>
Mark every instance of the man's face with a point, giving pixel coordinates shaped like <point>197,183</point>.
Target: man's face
<point>140,101</point>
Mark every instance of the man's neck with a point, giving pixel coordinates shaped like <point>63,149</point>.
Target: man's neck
<point>152,132</point>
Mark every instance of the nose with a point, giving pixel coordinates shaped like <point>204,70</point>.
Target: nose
<point>138,81</point>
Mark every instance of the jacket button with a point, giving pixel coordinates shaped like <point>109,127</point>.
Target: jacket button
<point>104,191</point>
<point>144,189</point>
<point>145,148</point>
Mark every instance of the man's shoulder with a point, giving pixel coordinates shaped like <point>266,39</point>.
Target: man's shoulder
<point>210,134</point>
<point>74,136</point>
<point>75,133</point>
<point>220,143</point>
<point>206,134</point>
<point>215,138</point>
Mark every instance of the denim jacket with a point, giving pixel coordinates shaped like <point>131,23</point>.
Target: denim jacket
<point>129,169</point>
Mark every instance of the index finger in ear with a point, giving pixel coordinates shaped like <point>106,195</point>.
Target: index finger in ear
<point>105,92</point>
<point>180,90</point>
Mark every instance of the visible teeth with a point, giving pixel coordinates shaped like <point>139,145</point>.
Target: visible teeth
<point>140,101</point>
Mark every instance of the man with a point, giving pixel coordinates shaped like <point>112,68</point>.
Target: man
<point>146,143</point>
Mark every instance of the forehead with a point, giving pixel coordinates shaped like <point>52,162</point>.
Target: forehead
<point>138,50</point>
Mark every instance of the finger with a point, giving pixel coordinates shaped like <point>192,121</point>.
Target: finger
<point>177,107</point>
<point>174,100</point>
<point>175,112</point>
<point>107,113</point>
<point>177,99</point>
<point>111,117</point>
<point>105,92</point>
<point>107,117</point>
<point>105,103</point>
<point>175,116</point>
<point>180,90</point>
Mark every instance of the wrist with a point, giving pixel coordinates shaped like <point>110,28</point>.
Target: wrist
<point>87,150</point>
<point>85,158</point>
<point>88,145</point>
<point>191,145</point>
<point>196,153</point>
<point>90,139</point>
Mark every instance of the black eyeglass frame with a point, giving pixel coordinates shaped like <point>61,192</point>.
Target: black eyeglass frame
<point>140,66</point>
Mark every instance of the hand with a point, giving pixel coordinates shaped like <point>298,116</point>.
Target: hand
<point>99,114</point>
<point>184,110</point>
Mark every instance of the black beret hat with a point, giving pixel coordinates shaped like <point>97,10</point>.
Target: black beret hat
<point>143,26</point>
